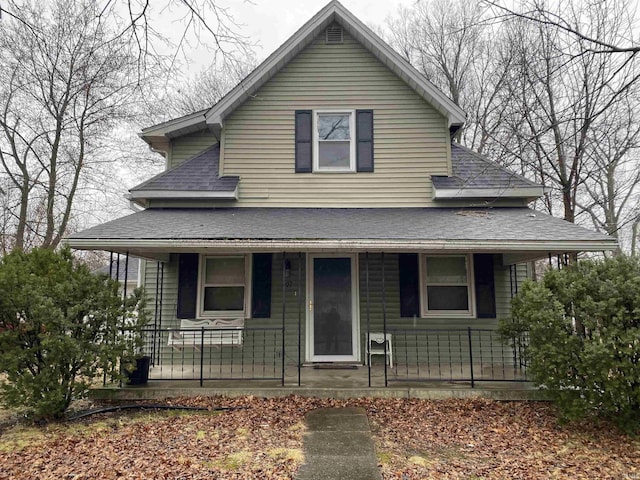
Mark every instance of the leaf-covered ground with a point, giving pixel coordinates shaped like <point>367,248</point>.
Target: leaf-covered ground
<point>452,439</point>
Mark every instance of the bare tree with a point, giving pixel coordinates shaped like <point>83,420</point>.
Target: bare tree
<point>613,182</point>
<point>72,76</point>
<point>66,80</point>
<point>440,38</point>
<point>538,11</point>
<point>549,93</point>
<point>466,58</point>
<point>185,96</point>
<point>567,94</point>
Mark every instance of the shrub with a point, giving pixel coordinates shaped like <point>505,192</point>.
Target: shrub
<point>584,328</point>
<point>59,325</point>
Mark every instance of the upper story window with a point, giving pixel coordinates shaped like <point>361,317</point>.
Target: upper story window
<point>447,285</point>
<point>334,145</point>
<point>338,140</point>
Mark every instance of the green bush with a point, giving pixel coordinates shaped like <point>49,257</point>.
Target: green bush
<point>59,327</point>
<point>584,337</point>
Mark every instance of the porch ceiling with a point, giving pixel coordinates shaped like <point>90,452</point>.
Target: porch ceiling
<point>154,232</point>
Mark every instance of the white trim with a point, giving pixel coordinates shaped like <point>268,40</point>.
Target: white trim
<point>506,192</point>
<point>201,313</point>
<point>139,195</point>
<point>352,142</point>
<point>348,245</point>
<point>425,312</point>
<point>355,311</point>
<point>187,121</point>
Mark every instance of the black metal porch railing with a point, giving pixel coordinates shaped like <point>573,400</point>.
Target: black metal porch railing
<point>249,353</point>
<point>456,355</point>
<point>257,353</point>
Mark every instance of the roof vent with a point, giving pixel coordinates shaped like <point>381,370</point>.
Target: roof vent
<point>334,34</point>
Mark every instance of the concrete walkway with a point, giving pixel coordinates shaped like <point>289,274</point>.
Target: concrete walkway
<point>338,446</point>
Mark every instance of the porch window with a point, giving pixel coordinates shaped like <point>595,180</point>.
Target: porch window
<point>334,145</point>
<point>446,284</point>
<point>223,290</point>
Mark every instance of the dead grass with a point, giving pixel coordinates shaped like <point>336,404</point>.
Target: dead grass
<point>453,439</point>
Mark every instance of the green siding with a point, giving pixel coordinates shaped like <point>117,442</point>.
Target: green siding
<point>185,147</point>
<point>268,344</point>
<point>411,139</point>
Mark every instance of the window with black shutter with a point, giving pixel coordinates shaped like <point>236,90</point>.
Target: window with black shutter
<point>333,141</point>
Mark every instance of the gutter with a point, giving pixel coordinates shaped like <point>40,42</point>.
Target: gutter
<point>184,245</point>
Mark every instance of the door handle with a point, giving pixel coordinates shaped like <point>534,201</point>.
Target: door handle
<point>310,305</point>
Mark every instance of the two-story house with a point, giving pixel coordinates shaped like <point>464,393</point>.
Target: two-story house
<point>322,204</point>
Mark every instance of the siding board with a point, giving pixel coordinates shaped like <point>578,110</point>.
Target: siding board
<point>410,138</point>
<point>295,305</point>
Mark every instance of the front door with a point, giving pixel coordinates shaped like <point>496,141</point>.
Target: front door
<point>332,326</point>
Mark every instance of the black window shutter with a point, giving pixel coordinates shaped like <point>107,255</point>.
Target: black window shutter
<point>409,284</point>
<point>303,139</point>
<point>485,285</point>
<point>364,139</point>
<point>261,286</point>
<point>187,285</point>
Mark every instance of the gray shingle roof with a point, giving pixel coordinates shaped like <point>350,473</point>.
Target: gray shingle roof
<point>199,173</point>
<point>519,224</point>
<point>472,170</point>
<point>131,271</point>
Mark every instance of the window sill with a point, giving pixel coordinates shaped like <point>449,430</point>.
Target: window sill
<point>448,314</point>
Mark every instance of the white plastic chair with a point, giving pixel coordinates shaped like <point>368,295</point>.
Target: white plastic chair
<point>375,346</point>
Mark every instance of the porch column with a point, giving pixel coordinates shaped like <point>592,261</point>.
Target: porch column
<point>366,272</point>
<point>384,321</point>
<point>118,268</point>
<point>159,300</point>
<point>156,336</point>
<point>284,301</point>
<point>104,372</point>
<point>126,275</point>
<point>299,316</point>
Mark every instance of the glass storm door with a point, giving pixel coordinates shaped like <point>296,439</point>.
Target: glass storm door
<point>332,308</point>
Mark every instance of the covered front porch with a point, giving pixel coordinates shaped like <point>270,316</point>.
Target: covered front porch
<point>323,319</point>
<point>294,297</point>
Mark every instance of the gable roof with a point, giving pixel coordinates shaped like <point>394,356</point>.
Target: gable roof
<point>475,176</point>
<point>196,178</point>
<point>333,12</point>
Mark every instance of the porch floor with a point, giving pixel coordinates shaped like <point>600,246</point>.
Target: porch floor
<point>322,383</point>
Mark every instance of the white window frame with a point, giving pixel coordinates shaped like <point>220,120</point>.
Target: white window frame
<point>470,284</point>
<point>352,142</point>
<point>244,313</point>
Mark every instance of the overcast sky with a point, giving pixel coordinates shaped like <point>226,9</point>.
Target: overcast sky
<point>271,22</point>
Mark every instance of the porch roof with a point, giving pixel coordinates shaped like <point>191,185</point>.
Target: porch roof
<point>152,232</point>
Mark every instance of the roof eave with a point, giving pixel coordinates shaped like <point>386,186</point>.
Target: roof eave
<point>528,193</point>
<point>142,197</point>
<point>159,136</point>
<point>354,245</point>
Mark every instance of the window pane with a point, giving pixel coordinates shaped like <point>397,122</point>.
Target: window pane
<point>446,270</point>
<point>334,154</point>
<point>224,271</point>
<point>447,298</point>
<point>223,298</point>
<point>333,127</point>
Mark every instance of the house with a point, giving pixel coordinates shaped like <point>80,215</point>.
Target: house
<point>124,270</point>
<point>322,204</point>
